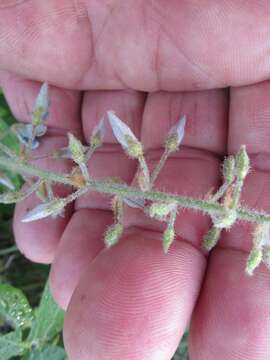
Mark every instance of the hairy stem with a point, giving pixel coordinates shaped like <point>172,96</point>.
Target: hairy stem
<point>131,192</point>
<point>159,166</point>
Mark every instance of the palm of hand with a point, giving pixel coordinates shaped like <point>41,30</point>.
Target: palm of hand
<point>132,301</point>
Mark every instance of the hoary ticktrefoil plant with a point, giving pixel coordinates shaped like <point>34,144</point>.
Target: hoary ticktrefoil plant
<point>223,207</point>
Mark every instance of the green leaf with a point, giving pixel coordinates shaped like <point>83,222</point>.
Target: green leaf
<point>182,351</point>
<point>49,320</point>
<point>11,345</point>
<point>10,140</point>
<point>50,352</point>
<point>14,307</point>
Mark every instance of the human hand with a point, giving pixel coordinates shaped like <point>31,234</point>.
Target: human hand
<point>132,301</point>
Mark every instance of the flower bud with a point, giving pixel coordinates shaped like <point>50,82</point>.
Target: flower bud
<point>77,149</point>
<point>41,107</point>
<point>242,163</point>
<point>97,135</point>
<point>168,237</point>
<point>54,207</point>
<point>228,169</point>
<point>175,135</point>
<point>254,260</point>
<point>134,147</point>
<point>125,136</point>
<point>113,234</point>
<point>211,238</point>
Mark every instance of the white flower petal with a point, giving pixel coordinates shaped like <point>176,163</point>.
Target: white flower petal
<point>42,101</point>
<point>120,129</point>
<point>44,210</point>
<point>179,129</point>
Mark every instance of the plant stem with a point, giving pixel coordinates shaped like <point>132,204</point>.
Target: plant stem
<point>145,171</point>
<point>159,166</point>
<point>24,168</point>
<point>131,192</point>
<point>9,250</point>
<point>7,151</point>
<point>237,192</point>
<point>221,191</point>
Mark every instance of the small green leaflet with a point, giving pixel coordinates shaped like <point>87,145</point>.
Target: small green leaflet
<point>48,321</point>
<point>10,345</point>
<point>14,307</point>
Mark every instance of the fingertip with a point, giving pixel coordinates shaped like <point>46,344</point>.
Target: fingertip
<point>134,301</point>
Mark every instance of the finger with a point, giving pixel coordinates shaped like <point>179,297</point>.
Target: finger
<point>231,320</point>
<point>32,240</point>
<point>194,170</point>
<point>232,308</point>
<point>80,243</point>
<point>133,302</point>
<point>151,52</point>
<point>107,293</point>
<point>93,211</point>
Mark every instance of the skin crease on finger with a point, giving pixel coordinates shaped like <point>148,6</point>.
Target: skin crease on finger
<point>185,46</point>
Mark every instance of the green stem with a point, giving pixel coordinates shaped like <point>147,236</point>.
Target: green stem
<point>9,250</point>
<point>20,167</point>
<point>220,193</point>
<point>159,166</point>
<point>131,192</point>
<point>7,151</point>
<point>145,171</point>
<point>237,193</point>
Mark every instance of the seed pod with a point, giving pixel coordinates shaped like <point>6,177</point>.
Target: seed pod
<point>175,135</point>
<point>254,260</point>
<point>211,238</point>
<point>113,234</point>
<point>168,237</point>
<point>76,148</point>
<point>242,163</point>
